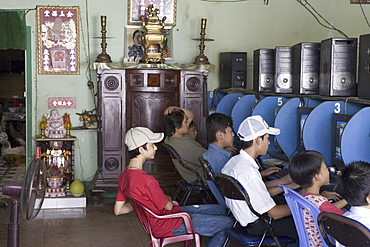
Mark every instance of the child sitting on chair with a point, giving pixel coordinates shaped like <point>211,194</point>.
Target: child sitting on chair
<point>354,186</point>
<point>308,169</point>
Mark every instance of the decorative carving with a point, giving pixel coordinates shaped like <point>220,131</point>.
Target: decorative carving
<point>111,83</point>
<point>192,84</point>
<point>111,164</point>
<point>137,80</point>
<point>169,81</point>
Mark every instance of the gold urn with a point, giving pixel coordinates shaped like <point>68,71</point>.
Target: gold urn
<point>154,39</point>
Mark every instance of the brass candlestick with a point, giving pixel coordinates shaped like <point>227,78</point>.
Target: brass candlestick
<point>68,175</point>
<point>43,127</point>
<point>103,57</point>
<point>68,126</point>
<point>201,58</point>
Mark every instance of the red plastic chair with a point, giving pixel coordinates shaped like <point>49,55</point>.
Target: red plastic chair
<point>143,213</point>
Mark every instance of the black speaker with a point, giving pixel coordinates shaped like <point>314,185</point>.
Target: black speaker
<point>306,68</point>
<point>338,59</point>
<point>283,69</point>
<point>233,70</point>
<point>263,70</point>
<point>363,85</point>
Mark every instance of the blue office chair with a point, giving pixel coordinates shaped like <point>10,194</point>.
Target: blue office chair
<point>296,203</point>
<point>346,231</point>
<point>232,189</point>
<point>226,104</point>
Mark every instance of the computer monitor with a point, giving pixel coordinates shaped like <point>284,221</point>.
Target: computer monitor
<point>303,113</point>
<point>339,122</point>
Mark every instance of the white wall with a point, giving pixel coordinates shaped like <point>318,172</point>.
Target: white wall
<point>235,26</point>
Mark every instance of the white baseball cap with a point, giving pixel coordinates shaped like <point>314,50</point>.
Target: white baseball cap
<point>253,127</point>
<point>138,136</point>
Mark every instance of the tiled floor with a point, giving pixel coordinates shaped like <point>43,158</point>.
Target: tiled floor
<point>95,226</point>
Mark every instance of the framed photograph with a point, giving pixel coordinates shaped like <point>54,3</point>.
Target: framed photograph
<point>58,40</point>
<point>138,8</point>
<point>360,1</point>
<point>134,46</point>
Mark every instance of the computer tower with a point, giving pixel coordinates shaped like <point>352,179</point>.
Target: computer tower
<point>306,68</point>
<point>233,70</point>
<point>338,59</point>
<point>363,85</point>
<point>263,70</point>
<point>283,69</point>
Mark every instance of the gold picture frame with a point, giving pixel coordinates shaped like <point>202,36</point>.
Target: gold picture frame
<point>58,31</point>
<point>360,2</point>
<point>138,8</point>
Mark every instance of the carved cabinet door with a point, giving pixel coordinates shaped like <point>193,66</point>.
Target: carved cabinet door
<point>149,93</point>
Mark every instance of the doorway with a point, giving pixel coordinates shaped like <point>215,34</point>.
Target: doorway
<point>12,110</point>
<point>14,102</point>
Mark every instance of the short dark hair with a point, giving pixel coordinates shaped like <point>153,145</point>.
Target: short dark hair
<point>304,166</point>
<point>248,144</point>
<point>217,122</point>
<point>192,125</point>
<point>137,31</point>
<point>354,185</point>
<point>133,153</point>
<point>173,121</point>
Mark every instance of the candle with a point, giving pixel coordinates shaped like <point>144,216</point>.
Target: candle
<point>103,19</point>
<point>203,23</point>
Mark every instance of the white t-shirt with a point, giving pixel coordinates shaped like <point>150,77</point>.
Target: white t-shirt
<point>360,214</point>
<point>245,169</point>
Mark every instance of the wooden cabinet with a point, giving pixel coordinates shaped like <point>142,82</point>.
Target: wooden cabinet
<point>138,97</point>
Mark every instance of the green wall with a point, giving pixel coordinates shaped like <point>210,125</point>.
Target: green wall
<point>235,26</point>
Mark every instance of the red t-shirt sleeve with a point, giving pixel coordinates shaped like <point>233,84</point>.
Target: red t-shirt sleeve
<point>328,207</point>
<point>121,197</point>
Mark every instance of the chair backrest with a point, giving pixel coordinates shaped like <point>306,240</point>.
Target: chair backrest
<point>207,169</point>
<point>346,231</point>
<point>177,158</point>
<point>297,203</point>
<point>232,189</point>
<point>209,175</point>
<point>144,214</point>
<point>141,212</point>
<point>173,153</point>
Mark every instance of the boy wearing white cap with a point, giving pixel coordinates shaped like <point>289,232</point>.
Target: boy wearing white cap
<point>208,220</point>
<point>253,133</point>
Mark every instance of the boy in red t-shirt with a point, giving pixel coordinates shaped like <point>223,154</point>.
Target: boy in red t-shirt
<point>208,220</point>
